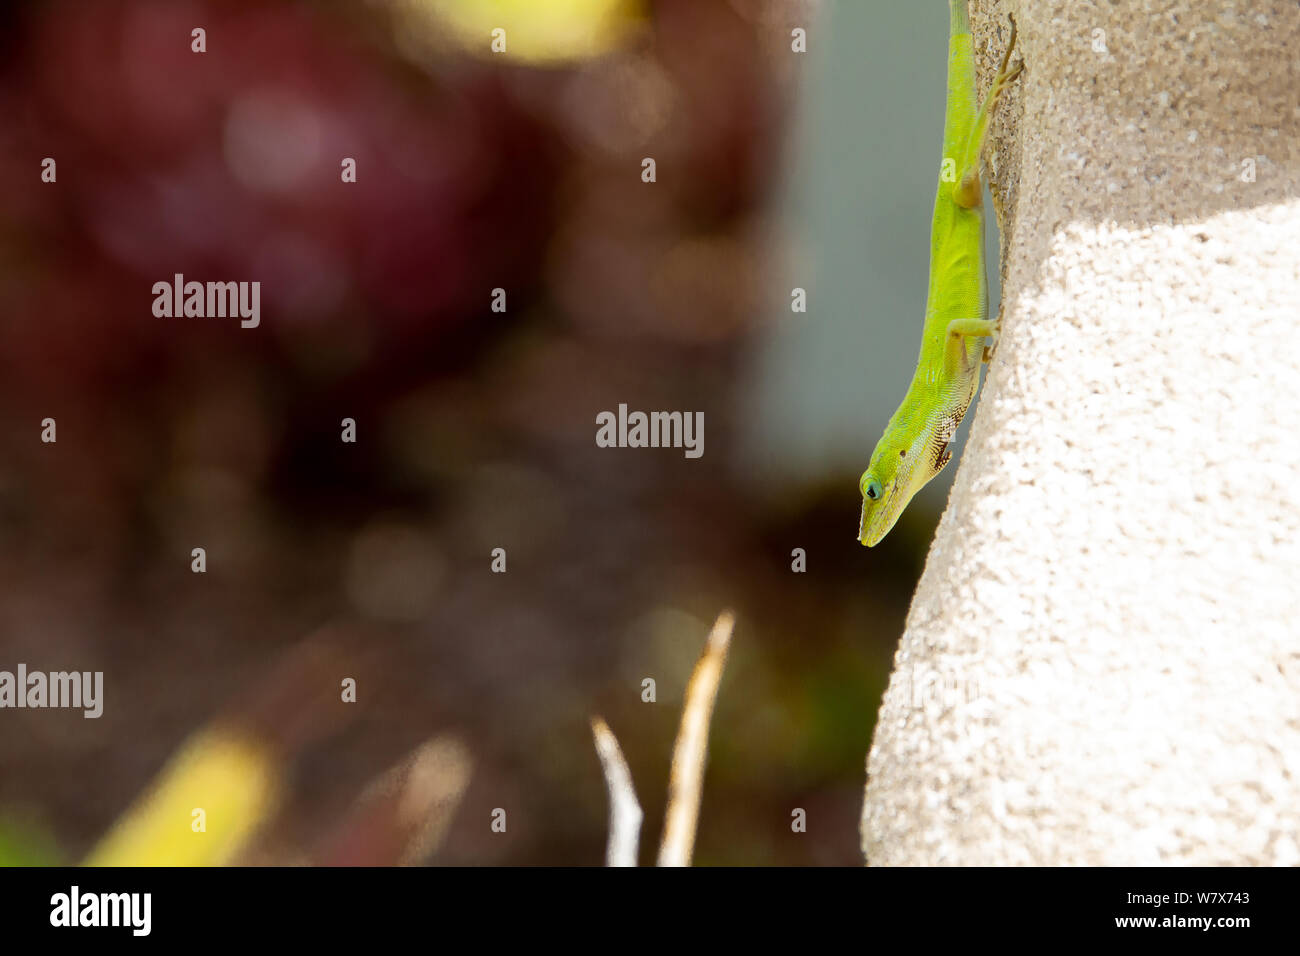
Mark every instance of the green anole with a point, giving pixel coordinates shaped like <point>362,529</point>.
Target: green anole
<point>914,447</point>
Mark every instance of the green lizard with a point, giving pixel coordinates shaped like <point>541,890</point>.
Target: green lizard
<point>914,447</point>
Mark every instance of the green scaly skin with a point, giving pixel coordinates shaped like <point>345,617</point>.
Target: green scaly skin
<point>914,447</point>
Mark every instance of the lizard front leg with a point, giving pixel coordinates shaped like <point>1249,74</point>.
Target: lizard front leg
<point>991,349</point>
<point>959,330</point>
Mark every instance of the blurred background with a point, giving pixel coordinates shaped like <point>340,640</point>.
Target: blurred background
<point>475,429</point>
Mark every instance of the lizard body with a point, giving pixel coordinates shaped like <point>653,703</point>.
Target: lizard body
<point>914,447</point>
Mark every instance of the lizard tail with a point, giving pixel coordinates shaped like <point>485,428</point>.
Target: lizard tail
<point>959,20</point>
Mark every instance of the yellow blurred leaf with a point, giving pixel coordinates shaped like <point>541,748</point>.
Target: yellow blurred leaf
<point>231,778</point>
<point>536,31</point>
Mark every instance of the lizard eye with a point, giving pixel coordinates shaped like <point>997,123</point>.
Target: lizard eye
<point>871,489</point>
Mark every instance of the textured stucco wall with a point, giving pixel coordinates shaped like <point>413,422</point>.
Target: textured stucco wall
<point>1102,660</point>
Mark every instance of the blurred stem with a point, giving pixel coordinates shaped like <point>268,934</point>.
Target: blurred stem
<point>686,779</point>
<point>624,811</point>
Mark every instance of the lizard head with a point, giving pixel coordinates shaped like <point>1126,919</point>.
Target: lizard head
<point>895,474</point>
